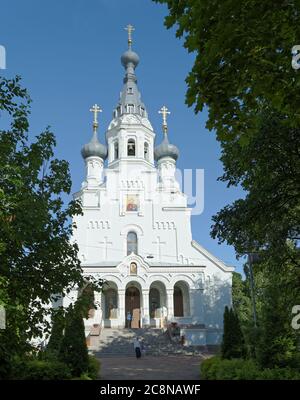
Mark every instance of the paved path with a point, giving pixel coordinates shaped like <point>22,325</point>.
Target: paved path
<point>150,367</point>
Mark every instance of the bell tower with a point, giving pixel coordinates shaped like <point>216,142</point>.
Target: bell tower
<point>130,136</point>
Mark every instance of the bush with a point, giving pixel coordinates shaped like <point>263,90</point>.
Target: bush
<point>93,368</point>
<point>238,369</point>
<point>233,345</point>
<point>73,350</point>
<point>82,377</point>
<point>57,333</point>
<point>42,370</point>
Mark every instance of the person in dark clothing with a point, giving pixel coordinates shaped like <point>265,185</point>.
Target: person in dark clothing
<point>137,348</point>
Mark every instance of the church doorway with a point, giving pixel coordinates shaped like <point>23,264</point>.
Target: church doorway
<point>157,304</point>
<point>178,302</point>
<point>181,299</point>
<point>133,305</point>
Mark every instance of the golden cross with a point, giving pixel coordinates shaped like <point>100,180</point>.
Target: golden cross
<point>164,111</point>
<point>129,28</point>
<point>95,110</point>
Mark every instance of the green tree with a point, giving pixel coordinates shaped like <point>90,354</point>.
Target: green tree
<point>73,350</point>
<point>57,333</point>
<point>233,340</point>
<point>242,73</point>
<point>37,258</point>
<point>242,60</point>
<point>279,343</point>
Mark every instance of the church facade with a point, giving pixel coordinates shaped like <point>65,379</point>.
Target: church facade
<point>135,231</point>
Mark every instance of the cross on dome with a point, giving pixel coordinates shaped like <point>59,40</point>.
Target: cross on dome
<point>95,110</point>
<point>164,111</point>
<point>129,28</point>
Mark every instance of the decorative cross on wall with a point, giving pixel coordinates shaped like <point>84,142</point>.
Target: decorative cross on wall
<point>159,244</point>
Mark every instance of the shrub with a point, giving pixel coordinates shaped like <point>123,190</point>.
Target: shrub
<point>93,368</point>
<point>82,377</point>
<point>43,370</point>
<point>238,369</point>
<point>73,350</point>
<point>56,336</point>
<point>233,345</point>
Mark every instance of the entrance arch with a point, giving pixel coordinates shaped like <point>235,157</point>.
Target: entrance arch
<point>133,306</point>
<point>181,299</point>
<point>110,304</point>
<point>157,303</point>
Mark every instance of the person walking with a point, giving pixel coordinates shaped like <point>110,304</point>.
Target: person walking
<point>128,318</point>
<point>137,348</point>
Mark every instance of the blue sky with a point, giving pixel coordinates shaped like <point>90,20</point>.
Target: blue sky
<point>68,54</point>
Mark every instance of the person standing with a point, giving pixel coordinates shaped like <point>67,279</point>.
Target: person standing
<point>137,348</point>
<point>128,318</point>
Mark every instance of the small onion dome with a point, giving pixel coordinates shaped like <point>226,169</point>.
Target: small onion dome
<point>165,149</point>
<point>94,148</point>
<point>130,57</point>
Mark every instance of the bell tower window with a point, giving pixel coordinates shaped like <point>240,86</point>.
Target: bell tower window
<point>131,147</point>
<point>146,151</point>
<point>116,150</point>
<point>130,108</point>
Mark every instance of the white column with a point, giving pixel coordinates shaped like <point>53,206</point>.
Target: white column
<point>170,303</point>
<point>145,316</point>
<point>121,306</point>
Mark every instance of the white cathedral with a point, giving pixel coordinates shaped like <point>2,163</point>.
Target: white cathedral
<point>135,231</point>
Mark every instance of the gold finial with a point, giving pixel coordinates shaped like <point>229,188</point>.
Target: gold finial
<point>129,28</point>
<point>164,111</point>
<point>95,110</point>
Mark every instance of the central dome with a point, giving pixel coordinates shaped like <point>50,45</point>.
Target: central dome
<point>130,57</point>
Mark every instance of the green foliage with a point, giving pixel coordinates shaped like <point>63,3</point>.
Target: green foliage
<point>268,169</point>
<point>57,333</point>
<point>41,370</point>
<point>93,367</point>
<point>242,60</point>
<point>279,343</point>
<point>233,340</point>
<point>238,369</point>
<point>242,73</point>
<point>82,377</point>
<point>37,257</point>
<point>73,349</point>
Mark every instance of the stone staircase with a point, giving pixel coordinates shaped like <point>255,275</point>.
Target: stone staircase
<point>119,342</point>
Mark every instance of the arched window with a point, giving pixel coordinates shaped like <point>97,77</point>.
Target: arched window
<point>146,151</point>
<point>130,108</point>
<point>131,147</point>
<point>116,150</point>
<point>132,246</point>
